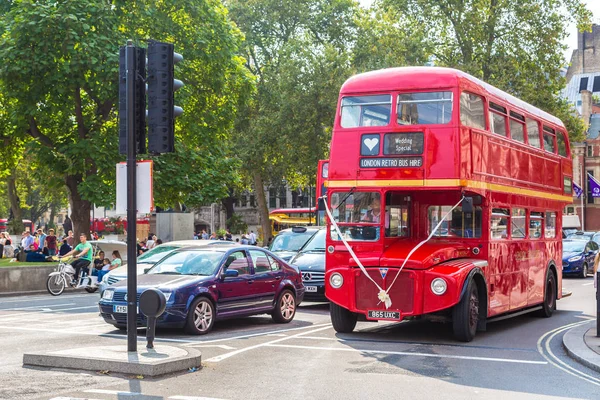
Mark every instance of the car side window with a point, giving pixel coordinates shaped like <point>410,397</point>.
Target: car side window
<point>274,264</point>
<point>260,261</point>
<point>238,261</point>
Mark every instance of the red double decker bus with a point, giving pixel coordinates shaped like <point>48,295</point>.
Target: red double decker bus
<point>447,196</point>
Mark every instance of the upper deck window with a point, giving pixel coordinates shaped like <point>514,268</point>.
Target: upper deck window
<point>498,119</point>
<point>471,110</point>
<point>562,144</point>
<point>366,111</point>
<point>533,133</point>
<point>517,127</point>
<point>424,108</point>
<point>549,140</point>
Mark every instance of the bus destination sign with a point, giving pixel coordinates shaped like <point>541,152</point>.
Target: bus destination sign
<point>403,143</point>
<point>404,162</point>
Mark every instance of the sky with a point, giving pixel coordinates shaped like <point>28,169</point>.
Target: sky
<point>571,40</point>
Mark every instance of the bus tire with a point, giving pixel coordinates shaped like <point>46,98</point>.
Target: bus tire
<point>465,315</point>
<point>549,304</point>
<point>343,321</point>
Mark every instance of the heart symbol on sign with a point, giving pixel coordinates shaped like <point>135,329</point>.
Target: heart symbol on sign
<point>371,143</point>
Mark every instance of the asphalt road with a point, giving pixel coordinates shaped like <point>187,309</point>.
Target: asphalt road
<point>254,358</point>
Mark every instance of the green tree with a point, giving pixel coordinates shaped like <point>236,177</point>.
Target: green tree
<point>60,72</point>
<point>297,50</point>
<point>515,45</point>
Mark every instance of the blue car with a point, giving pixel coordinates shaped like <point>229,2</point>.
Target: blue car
<point>210,283</point>
<point>578,257</point>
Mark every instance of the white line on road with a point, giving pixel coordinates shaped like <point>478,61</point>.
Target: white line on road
<point>255,334</point>
<point>233,353</point>
<point>558,363</point>
<point>406,353</point>
<point>115,392</point>
<point>46,306</point>
<point>5,317</point>
<point>192,398</point>
<point>588,284</point>
<point>42,298</point>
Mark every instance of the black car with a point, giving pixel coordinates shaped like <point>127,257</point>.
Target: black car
<point>311,262</point>
<point>288,242</point>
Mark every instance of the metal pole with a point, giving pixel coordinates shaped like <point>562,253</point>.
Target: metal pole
<point>130,56</point>
<point>582,197</point>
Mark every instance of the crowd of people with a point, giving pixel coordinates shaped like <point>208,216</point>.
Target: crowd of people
<point>246,238</point>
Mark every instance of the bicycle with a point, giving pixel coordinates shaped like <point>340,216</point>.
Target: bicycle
<point>62,278</point>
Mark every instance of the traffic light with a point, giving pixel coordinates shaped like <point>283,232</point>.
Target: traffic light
<point>139,102</point>
<point>161,100</point>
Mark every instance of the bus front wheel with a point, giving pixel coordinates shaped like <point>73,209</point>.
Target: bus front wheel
<point>343,321</point>
<point>465,315</point>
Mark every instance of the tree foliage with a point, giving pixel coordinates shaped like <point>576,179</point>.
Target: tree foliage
<point>515,45</point>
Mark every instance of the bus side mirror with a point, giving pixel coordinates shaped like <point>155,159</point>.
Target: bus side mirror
<point>467,205</point>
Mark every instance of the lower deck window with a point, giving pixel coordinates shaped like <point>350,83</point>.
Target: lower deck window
<point>457,224</point>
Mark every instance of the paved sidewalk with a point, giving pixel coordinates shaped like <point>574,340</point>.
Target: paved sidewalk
<point>582,344</point>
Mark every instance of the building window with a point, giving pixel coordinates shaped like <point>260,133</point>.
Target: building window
<point>282,197</point>
<point>596,87</point>
<point>583,84</point>
<point>243,200</point>
<point>252,201</point>
<point>272,198</point>
<point>590,151</point>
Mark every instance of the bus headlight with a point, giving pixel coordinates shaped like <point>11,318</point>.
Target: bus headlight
<point>439,286</point>
<point>336,280</point>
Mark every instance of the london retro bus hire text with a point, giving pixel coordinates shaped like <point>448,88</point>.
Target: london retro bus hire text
<point>445,198</point>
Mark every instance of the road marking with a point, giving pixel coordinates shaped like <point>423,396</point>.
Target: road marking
<point>192,398</point>
<point>254,335</point>
<point>236,352</point>
<point>46,311</point>
<point>219,346</point>
<point>406,353</point>
<point>42,298</point>
<point>72,398</point>
<point>115,392</point>
<point>30,307</point>
<point>546,339</point>
<point>588,284</point>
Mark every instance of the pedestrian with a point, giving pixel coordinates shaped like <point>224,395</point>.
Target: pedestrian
<point>213,236</point>
<point>596,262</point>
<point>83,255</point>
<point>41,239</point>
<point>51,242</point>
<point>99,260</point>
<point>117,261</point>
<point>27,241</point>
<point>9,250</point>
<point>67,225</point>
<point>158,242</point>
<point>228,236</point>
<point>204,235</point>
<point>244,239</point>
<point>64,248</point>
<point>252,238</point>
<point>151,242</point>
<point>71,239</point>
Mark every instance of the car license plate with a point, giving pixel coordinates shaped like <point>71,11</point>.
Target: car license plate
<point>376,314</point>
<point>123,309</point>
<point>311,289</point>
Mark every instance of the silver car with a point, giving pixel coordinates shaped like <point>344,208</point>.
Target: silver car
<point>151,257</point>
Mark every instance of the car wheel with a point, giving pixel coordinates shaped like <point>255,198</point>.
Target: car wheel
<point>90,289</point>
<point>549,304</point>
<point>465,315</point>
<point>121,327</point>
<point>201,317</point>
<point>584,271</point>
<point>285,308</point>
<point>343,321</point>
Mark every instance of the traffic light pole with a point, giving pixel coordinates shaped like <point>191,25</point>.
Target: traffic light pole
<point>130,57</point>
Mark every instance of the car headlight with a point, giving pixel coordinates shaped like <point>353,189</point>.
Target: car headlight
<point>108,294</point>
<point>336,280</point>
<point>439,286</point>
<point>167,295</point>
<point>576,258</point>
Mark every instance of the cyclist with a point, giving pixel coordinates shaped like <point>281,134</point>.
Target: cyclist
<point>84,256</point>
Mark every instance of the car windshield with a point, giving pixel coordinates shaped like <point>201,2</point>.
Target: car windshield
<point>573,247</point>
<point>290,241</point>
<point>580,236</point>
<point>190,262</point>
<point>156,254</point>
<point>316,243</point>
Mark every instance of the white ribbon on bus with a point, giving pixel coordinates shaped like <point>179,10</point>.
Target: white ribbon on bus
<point>383,295</point>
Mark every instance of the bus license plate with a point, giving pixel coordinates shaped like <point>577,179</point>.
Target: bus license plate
<point>123,309</point>
<point>311,289</point>
<point>383,314</point>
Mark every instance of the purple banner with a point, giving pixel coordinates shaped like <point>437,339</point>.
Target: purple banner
<point>577,190</point>
<point>594,186</point>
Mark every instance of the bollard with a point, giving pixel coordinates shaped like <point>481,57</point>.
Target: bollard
<point>152,305</point>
